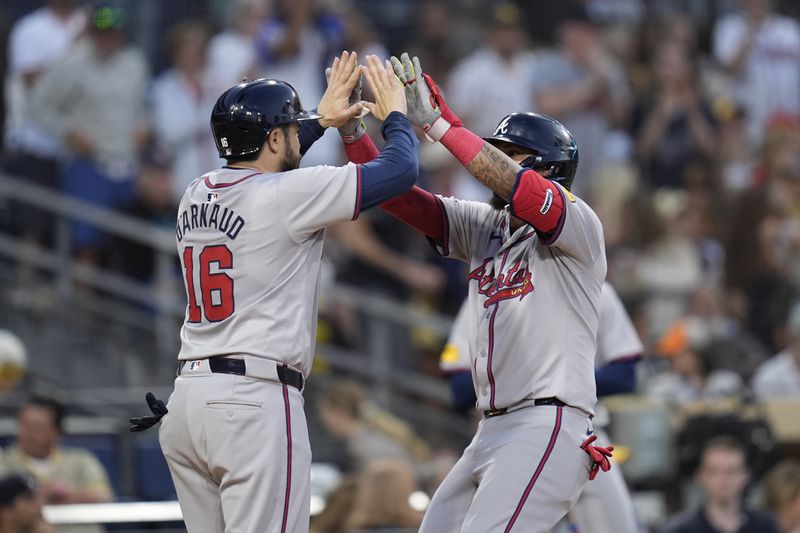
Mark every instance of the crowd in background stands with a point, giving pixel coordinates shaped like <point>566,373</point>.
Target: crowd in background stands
<point>686,114</point>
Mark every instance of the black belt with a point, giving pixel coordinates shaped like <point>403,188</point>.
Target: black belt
<point>227,365</point>
<point>539,401</point>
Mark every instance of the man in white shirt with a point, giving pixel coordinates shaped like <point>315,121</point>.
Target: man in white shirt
<point>779,376</point>
<point>761,51</point>
<point>37,41</point>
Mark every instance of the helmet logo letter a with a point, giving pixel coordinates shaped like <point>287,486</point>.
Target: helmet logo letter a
<point>502,128</point>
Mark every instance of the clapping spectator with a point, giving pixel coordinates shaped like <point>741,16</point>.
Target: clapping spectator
<point>586,88</point>
<point>182,101</point>
<point>779,376</point>
<point>94,100</point>
<point>674,124</point>
<point>723,476</point>
<point>761,51</point>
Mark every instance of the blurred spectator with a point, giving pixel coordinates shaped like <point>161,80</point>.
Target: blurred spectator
<point>21,506</point>
<point>674,124</point>
<point>581,84</point>
<point>360,35</point>
<point>232,53</point>
<point>94,100</point>
<point>294,45</point>
<point>496,79</point>
<point>723,476</point>
<point>761,51</point>
<point>37,41</point>
<point>736,155</point>
<point>183,97</point>
<point>382,498</point>
<point>782,495</point>
<point>779,377</point>
<point>64,475</point>
<point>338,507</point>
<point>154,203</point>
<point>13,361</point>
<point>690,378</point>
<point>369,432</point>
<point>440,39</point>
<point>669,266</point>
<point>768,214</point>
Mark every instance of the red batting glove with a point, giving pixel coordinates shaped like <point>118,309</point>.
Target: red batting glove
<point>437,100</point>
<point>599,456</point>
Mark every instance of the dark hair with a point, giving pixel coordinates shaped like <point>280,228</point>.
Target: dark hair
<point>55,407</point>
<point>725,442</point>
<point>252,157</point>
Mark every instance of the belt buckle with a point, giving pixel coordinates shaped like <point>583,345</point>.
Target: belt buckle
<point>495,412</point>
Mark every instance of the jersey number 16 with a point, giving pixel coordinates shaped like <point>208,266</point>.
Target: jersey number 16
<point>216,289</point>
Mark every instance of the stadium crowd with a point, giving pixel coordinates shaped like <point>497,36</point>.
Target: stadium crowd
<point>687,118</point>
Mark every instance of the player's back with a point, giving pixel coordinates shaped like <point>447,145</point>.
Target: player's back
<point>251,247</point>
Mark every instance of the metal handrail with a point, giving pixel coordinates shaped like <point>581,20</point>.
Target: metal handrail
<point>163,241</point>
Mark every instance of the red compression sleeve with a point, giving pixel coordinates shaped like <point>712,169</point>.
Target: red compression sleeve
<point>462,143</point>
<point>419,209</point>
<point>537,201</point>
<point>362,150</point>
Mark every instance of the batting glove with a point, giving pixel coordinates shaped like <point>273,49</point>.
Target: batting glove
<point>426,106</point>
<point>353,129</point>
<point>158,409</point>
<point>599,456</point>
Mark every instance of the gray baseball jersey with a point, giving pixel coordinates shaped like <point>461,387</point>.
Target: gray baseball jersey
<point>251,249</point>
<point>617,338</point>
<point>533,305</point>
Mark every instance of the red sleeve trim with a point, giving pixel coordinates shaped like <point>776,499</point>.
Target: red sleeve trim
<point>357,210</point>
<point>362,150</point>
<point>441,246</point>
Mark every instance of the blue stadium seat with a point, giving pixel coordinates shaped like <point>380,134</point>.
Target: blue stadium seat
<point>153,481</point>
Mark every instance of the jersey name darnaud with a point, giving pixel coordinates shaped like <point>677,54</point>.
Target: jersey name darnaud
<point>209,215</point>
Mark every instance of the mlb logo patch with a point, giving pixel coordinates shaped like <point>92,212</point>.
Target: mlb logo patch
<point>194,365</point>
<point>213,196</point>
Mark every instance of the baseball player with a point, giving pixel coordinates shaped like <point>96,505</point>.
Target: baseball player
<point>604,505</point>
<point>537,262</point>
<point>250,239</point>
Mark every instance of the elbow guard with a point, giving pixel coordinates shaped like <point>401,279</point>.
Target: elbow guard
<point>536,200</point>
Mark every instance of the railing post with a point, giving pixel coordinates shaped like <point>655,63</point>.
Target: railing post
<point>165,292</point>
<point>64,253</point>
<point>379,334</point>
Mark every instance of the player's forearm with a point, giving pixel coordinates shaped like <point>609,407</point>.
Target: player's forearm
<point>310,132</point>
<point>362,150</point>
<point>396,169</point>
<point>488,164</point>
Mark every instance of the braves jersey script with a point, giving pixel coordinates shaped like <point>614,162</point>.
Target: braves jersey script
<point>251,249</point>
<point>533,306</point>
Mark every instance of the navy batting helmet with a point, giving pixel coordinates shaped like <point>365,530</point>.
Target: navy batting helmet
<point>554,148</point>
<point>245,114</point>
